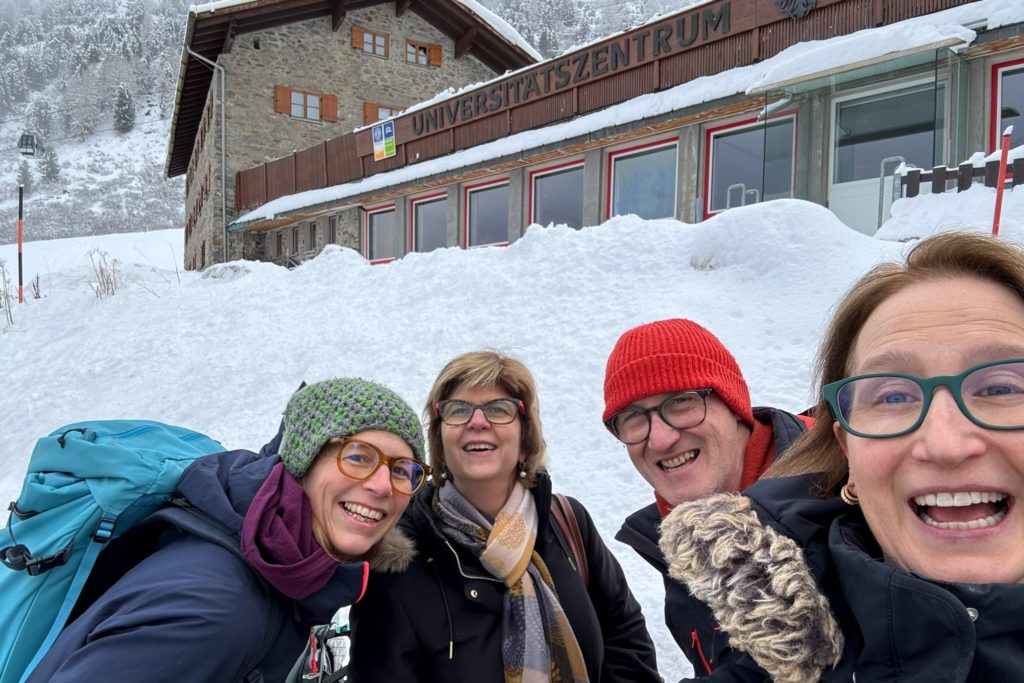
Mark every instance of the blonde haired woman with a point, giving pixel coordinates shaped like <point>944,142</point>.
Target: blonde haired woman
<point>493,595</point>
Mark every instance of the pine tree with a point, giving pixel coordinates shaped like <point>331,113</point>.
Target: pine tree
<point>588,22</point>
<point>124,109</point>
<point>25,176</point>
<point>49,167</point>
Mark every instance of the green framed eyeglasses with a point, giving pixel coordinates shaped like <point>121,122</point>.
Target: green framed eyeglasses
<point>887,404</point>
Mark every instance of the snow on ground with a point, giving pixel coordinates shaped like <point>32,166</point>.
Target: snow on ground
<point>222,351</point>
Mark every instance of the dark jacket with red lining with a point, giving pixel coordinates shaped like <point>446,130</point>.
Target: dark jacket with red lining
<point>690,621</point>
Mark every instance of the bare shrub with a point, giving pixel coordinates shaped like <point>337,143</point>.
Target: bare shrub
<point>6,297</point>
<point>704,263</point>
<point>37,292</point>
<point>108,274</point>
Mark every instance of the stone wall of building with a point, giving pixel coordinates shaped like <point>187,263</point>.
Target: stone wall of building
<point>307,56</point>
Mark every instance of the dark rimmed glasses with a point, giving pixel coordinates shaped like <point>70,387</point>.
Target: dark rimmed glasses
<point>683,410</point>
<point>359,460</point>
<point>498,411</point>
<point>887,404</point>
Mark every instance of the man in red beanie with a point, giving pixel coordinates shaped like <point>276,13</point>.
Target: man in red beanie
<point>676,398</point>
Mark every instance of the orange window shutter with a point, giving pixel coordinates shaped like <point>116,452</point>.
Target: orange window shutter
<point>329,108</point>
<point>369,112</point>
<point>435,55</point>
<point>282,100</point>
<point>357,37</point>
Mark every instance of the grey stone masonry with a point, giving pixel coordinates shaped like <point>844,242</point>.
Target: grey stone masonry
<point>306,56</point>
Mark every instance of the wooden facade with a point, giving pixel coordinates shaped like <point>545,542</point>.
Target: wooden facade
<point>673,50</point>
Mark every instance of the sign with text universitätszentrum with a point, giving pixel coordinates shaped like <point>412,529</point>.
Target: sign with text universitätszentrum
<point>384,140</point>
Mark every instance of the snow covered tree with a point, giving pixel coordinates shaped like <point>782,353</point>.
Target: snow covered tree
<point>12,84</point>
<point>25,176</point>
<point>588,22</point>
<point>40,118</point>
<point>124,108</point>
<point>49,167</point>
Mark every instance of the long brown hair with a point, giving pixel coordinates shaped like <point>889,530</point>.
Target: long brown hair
<point>486,370</point>
<point>942,256</point>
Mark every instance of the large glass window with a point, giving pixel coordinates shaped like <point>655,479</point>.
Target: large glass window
<point>430,223</point>
<point>644,182</point>
<point>751,163</point>
<point>907,123</point>
<point>558,196</point>
<point>1009,103</point>
<point>380,234</point>
<point>487,214</point>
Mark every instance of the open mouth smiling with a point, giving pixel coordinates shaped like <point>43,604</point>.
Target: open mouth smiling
<point>362,513</point>
<point>962,509</point>
<point>678,461</point>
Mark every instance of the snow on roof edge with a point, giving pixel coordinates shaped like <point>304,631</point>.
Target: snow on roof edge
<point>930,28</point>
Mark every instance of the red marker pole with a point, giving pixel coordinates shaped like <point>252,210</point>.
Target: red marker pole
<point>1002,179</point>
<point>21,195</point>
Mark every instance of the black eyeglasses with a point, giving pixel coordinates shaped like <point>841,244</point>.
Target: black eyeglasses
<point>680,411</point>
<point>359,460</point>
<point>888,404</point>
<point>498,411</point>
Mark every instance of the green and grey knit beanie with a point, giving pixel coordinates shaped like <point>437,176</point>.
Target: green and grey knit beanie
<point>338,407</point>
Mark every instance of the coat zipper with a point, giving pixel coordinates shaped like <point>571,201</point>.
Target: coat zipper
<point>458,563</point>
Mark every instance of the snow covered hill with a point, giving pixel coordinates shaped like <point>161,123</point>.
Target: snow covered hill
<point>221,351</point>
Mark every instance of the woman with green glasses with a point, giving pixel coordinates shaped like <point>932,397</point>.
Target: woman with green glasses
<point>494,594</point>
<point>890,545</point>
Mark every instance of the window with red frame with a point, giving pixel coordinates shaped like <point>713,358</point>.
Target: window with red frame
<point>643,181</point>
<point>430,223</point>
<point>1008,102</point>
<point>487,214</point>
<point>557,196</point>
<point>381,242</point>
<point>750,162</point>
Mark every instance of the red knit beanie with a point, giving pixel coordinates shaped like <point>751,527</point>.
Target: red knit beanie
<point>672,355</point>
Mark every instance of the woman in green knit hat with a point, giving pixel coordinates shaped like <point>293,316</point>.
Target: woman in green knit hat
<point>307,517</point>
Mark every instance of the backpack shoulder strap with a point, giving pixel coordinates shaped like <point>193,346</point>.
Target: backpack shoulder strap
<point>565,519</point>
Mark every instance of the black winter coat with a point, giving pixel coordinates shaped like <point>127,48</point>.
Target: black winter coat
<point>441,620</point>
<point>689,620</point>
<point>856,617</point>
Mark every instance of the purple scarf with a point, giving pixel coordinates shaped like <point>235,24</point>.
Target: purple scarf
<point>277,538</point>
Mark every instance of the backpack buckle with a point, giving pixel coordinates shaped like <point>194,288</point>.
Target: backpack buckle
<point>104,529</point>
<point>19,558</point>
<point>39,565</point>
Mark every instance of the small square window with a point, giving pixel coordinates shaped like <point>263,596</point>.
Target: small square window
<point>417,54</point>
<point>375,44</point>
<point>304,105</point>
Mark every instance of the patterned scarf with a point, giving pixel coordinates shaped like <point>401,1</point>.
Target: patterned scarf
<point>538,644</point>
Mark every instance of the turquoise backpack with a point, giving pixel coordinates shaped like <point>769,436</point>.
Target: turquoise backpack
<point>87,484</point>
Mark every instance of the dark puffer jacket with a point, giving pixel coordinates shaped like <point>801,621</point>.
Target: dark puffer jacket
<point>441,620</point>
<point>690,621</point>
<point>838,611</point>
<point>195,611</point>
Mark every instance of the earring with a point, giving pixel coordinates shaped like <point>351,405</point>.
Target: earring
<point>444,474</point>
<point>848,496</point>
<point>522,470</point>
